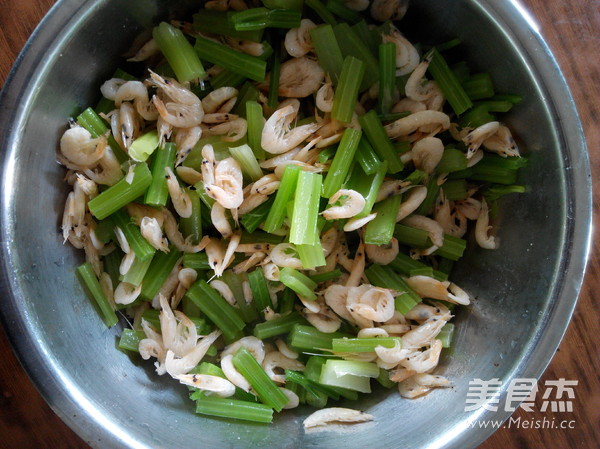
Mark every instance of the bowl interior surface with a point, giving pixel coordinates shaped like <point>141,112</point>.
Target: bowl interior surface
<point>116,400</point>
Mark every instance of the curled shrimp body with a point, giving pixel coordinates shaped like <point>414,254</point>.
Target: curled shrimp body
<point>482,229</point>
<point>300,77</point>
<point>215,100</point>
<point>415,88</point>
<point>414,198</point>
<point>78,146</point>
<point>183,108</point>
<point>138,93</point>
<point>427,153</point>
<point>407,56</point>
<point>410,124</point>
<point>502,143</point>
<point>181,199</point>
<point>382,254</point>
<point>324,97</point>
<point>223,180</point>
<point>474,139</point>
<point>351,201</point>
<point>277,137</point>
<point>383,10</point>
<point>150,229</point>
<point>297,40</point>
<point>186,139</point>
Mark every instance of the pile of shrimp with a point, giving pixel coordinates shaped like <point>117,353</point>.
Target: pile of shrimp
<point>180,116</point>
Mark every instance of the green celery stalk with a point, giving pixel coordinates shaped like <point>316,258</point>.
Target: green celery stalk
<point>218,22</point>
<point>87,275</point>
<point>346,92</point>
<point>247,160</point>
<point>158,272</point>
<point>137,271</point>
<point>232,60</point>
<point>178,52</point>
<point>387,76</point>
<point>252,220</point>
<point>448,83</point>
<point>342,161</point>
<point>217,309</point>
<point>298,282</point>
<point>278,326</point>
<point>234,408</point>
<point>122,193</point>
<point>363,344</point>
<point>328,51</point>
<point>308,338</point>
<point>378,138</point>
<point>381,229</point>
<point>311,256</point>
<point>192,225</point>
<point>260,18</point>
<point>260,290</point>
<point>158,193</point>
<point>318,7</point>
<point>352,45</point>
<point>137,242</point>
<point>265,388</point>
<point>255,121</point>
<point>234,281</point>
<point>327,276</point>
<point>130,340</point>
<point>142,147</point>
<point>286,190</point>
<point>303,230</point>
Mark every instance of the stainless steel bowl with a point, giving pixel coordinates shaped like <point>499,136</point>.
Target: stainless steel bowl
<point>525,291</point>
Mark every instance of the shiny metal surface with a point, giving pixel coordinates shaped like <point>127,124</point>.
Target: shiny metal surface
<point>525,292</point>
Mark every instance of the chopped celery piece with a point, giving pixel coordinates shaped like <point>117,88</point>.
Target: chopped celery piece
<point>247,160</point>
<point>260,290</point>
<point>122,193</point>
<point>303,230</point>
<point>381,229</point>
<point>342,161</point>
<point>298,282</point>
<point>448,83</point>
<point>234,408</point>
<point>130,340</point>
<point>346,92</point>
<point>179,53</point>
<point>363,344</point>
<point>158,193</point>
<point>142,147</point>
<point>349,374</point>
<point>278,326</point>
<point>87,275</point>
<point>265,388</point>
<point>328,51</point>
<point>230,59</point>
<point>286,190</point>
<point>446,334</point>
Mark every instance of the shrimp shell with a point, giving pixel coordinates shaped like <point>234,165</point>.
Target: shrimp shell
<point>482,229</point>
<point>407,125</point>
<point>218,386</point>
<point>335,415</point>
<point>353,204</point>
<point>277,137</point>
<point>297,40</point>
<point>300,77</point>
